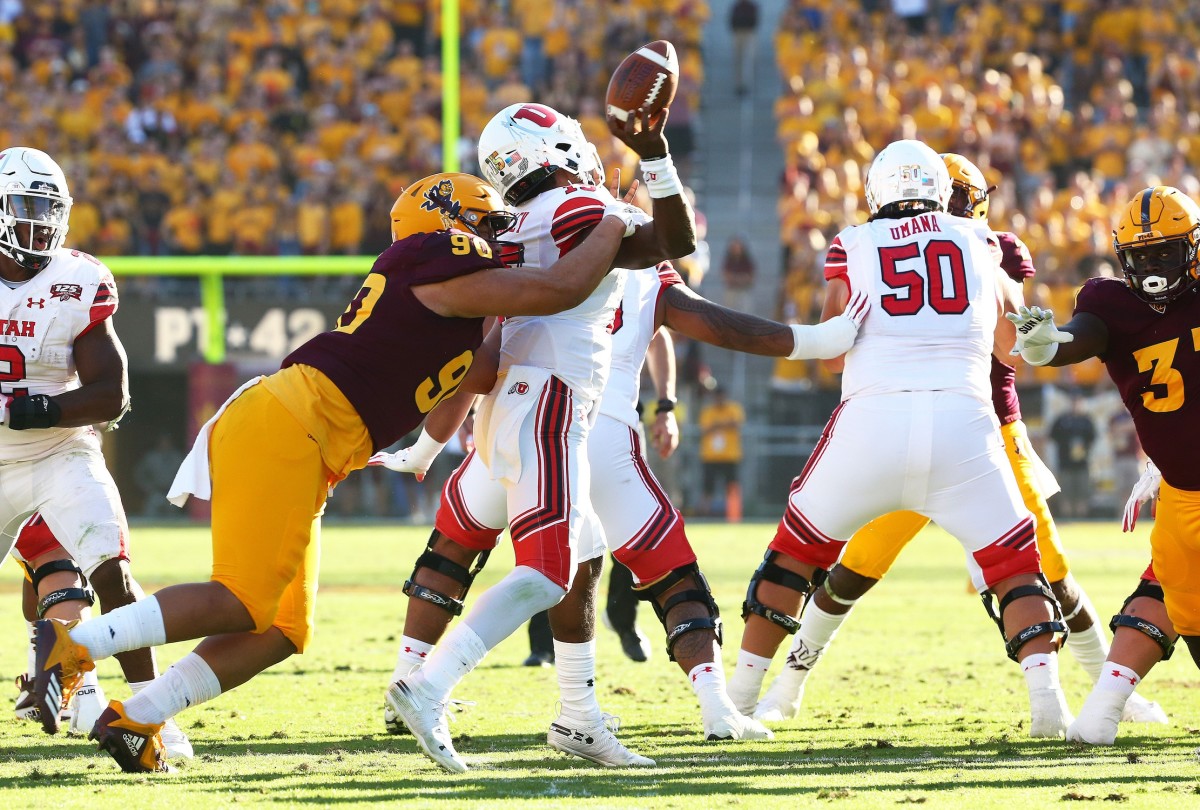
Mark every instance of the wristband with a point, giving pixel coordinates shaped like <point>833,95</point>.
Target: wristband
<point>660,178</point>
<point>37,411</point>
<point>665,405</point>
<point>823,341</point>
<point>425,450</point>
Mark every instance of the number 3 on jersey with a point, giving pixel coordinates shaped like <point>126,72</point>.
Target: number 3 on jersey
<point>944,269</point>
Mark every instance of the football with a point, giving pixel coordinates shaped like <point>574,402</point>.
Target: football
<point>646,79</point>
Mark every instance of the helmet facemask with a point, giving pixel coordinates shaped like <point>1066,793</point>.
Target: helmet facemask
<point>33,223</point>
<point>1160,271</point>
<point>968,201</point>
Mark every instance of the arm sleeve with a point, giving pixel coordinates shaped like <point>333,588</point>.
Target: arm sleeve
<point>104,304</point>
<point>835,261</point>
<point>573,218</point>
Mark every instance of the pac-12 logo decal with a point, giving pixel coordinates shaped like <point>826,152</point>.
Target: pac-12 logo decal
<point>519,388</point>
<point>65,292</point>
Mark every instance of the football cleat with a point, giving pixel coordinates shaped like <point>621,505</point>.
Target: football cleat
<point>1049,715</point>
<point>85,709</point>
<point>596,742</point>
<point>59,667</point>
<point>1098,720</point>
<point>736,727</point>
<point>426,719</point>
<point>137,747</point>
<point>783,697</point>
<point>392,723</point>
<point>25,709</point>
<point>174,741</point>
<point>1139,710</point>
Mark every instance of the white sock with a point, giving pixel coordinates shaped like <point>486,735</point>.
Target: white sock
<point>575,665</point>
<point>131,627</point>
<point>1041,671</point>
<point>460,652</point>
<point>411,657</point>
<point>817,629</point>
<point>1089,648</point>
<point>708,682</point>
<point>31,666</point>
<point>189,682</point>
<point>511,602</point>
<point>1117,678</point>
<point>746,681</point>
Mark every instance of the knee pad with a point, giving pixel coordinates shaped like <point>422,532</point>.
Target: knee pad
<point>778,575</point>
<point>1150,590</point>
<point>84,593</point>
<point>1056,625</point>
<point>701,595</point>
<point>443,565</point>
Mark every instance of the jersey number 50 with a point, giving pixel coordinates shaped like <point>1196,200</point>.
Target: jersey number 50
<point>947,278</point>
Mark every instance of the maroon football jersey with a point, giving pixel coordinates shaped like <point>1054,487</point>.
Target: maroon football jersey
<point>1016,261</point>
<point>1154,359</point>
<point>393,358</point>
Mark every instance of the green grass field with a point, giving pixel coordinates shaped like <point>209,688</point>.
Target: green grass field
<point>915,703</point>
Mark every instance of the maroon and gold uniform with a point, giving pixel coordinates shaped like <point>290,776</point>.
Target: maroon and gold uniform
<point>1154,359</point>
<point>874,548</point>
<point>423,362</point>
<point>338,398</point>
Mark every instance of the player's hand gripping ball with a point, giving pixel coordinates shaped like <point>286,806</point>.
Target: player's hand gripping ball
<point>645,80</point>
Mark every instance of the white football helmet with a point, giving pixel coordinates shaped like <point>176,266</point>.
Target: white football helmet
<point>33,194</point>
<point>524,144</point>
<point>908,172</point>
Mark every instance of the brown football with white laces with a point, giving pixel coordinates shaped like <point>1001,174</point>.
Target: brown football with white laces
<point>645,80</point>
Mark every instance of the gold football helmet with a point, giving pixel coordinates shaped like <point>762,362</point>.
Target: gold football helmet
<point>454,200</point>
<point>969,188</point>
<point>1156,239</point>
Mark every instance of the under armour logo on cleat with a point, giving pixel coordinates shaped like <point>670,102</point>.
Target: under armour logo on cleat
<point>591,682</point>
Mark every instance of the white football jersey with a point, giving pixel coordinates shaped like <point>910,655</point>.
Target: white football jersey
<point>633,329</point>
<point>39,323</point>
<point>576,344</point>
<point>934,295</point>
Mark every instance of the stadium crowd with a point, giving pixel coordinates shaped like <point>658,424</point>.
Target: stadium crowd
<point>283,127</point>
<point>1069,108</point>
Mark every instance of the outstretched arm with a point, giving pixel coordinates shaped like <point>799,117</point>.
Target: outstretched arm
<point>1041,343</point>
<point>701,319</point>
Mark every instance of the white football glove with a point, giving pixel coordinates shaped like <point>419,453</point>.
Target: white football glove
<point>5,399</point>
<point>631,215</point>
<point>1037,336</point>
<point>1145,489</point>
<point>415,459</point>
